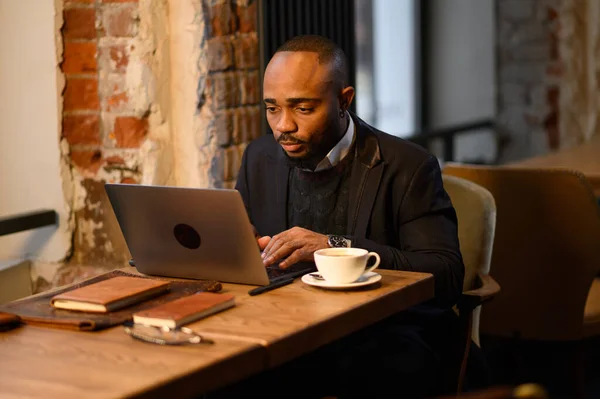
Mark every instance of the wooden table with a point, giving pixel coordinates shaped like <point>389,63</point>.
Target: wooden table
<point>38,362</point>
<point>297,318</point>
<point>584,158</point>
<point>258,333</point>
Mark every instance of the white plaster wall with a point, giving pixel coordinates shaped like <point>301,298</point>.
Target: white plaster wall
<point>170,58</point>
<point>30,172</point>
<point>194,147</point>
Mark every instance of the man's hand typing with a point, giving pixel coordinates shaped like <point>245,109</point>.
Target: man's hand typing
<point>262,241</point>
<point>295,245</point>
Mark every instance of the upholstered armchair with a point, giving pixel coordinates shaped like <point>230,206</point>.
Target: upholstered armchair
<point>476,212</point>
<point>546,257</point>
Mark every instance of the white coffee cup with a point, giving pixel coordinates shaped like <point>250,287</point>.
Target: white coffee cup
<point>344,265</point>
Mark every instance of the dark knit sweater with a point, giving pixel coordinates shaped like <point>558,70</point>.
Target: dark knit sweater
<point>318,201</point>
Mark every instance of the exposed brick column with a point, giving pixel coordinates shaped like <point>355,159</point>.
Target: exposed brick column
<point>580,88</point>
<point>232,87</point>
<point>102,131</point>
<point>529,75</point>
<point>156,92</point>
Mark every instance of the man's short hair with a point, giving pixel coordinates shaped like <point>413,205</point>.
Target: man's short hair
<point>327,51</point>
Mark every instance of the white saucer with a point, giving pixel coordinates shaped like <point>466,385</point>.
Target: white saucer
<point>365,279</point>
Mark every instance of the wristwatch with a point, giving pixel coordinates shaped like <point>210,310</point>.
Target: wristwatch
<point>335,241</point>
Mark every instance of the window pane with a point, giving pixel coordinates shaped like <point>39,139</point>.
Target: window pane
<point>386,82</point>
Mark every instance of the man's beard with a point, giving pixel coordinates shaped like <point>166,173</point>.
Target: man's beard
<point>310,160</point>
<point>306,162</point>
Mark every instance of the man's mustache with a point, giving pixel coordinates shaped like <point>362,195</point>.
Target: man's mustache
<point>289,139</point>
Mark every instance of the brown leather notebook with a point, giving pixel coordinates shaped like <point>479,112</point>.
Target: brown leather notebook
<point>184,310</point>
<point>36,310</point>
<point>109,295</point>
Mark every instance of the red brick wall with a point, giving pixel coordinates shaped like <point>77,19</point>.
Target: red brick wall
<point>233,88</point>
<point>104,131</point>
<point>96,119</point>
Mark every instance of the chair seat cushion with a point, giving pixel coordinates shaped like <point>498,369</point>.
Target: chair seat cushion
<point>591,318</point>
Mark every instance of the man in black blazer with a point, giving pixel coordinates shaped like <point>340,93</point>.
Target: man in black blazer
<point>326,178</point>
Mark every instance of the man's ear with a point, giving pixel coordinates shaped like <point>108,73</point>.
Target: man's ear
<point>346,96</point>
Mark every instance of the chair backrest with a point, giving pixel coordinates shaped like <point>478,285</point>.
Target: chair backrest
<point>546,250</point>
<point>476,211</point>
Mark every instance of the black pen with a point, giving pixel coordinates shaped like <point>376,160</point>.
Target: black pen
<point>265,288</point>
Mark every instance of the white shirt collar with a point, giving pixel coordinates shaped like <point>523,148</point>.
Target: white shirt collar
<point>340,150</point>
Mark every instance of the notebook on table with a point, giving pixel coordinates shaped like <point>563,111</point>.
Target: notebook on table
<point>110,295</point>
<point>37,310</point>
<point>192,233</point>
<point>184,310</point>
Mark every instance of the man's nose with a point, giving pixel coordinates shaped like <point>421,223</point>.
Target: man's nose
<point>286,123</point>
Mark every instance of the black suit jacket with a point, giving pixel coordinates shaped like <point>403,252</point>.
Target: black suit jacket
<point>398,206</point>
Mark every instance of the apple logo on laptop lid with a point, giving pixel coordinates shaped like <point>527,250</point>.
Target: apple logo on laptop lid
<point>187,236</point>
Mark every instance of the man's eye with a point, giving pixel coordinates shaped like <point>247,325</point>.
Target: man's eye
<point>305,110</point>
<point>271,109</point>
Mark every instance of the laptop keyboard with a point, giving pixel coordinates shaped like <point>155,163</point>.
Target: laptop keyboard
<point>276,273</point>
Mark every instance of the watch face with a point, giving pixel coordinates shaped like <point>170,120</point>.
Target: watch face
<point>337,241</point>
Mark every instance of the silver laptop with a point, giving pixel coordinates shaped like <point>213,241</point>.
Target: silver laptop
<point>192,233</point>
